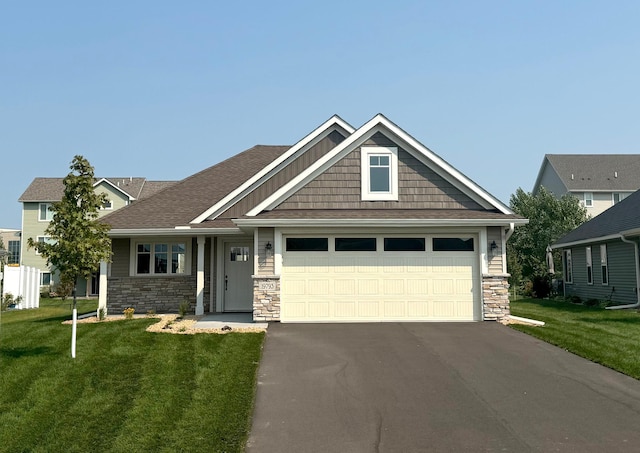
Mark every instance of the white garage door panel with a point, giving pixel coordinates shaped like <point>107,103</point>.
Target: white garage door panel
<point>378,286</point>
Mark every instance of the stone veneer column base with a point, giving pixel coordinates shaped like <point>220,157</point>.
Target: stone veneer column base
<point>495,297</point>
<point>266,298</point>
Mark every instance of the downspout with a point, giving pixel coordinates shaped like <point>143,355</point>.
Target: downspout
<point>509,232</point>
<point>637,304</point>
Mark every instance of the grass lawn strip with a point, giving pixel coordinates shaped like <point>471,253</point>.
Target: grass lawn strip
<point>127,390</point>
<point>608,337</point>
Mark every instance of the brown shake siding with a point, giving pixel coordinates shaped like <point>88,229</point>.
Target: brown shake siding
<point>285,175</point>
<point>339,187</point>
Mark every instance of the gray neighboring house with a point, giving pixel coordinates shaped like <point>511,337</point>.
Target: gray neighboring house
<point>347,225</point>
<point>599,181</point>
<point>36,215</point>
<point>600,257</point>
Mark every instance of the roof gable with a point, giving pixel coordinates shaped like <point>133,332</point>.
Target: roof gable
<point>335,123</point>
<point>52,189</point>
<point>380,124</point>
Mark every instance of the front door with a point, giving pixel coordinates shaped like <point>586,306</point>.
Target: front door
<point>238,285</point>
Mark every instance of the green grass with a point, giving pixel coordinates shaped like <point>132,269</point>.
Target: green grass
<point>608,337</point>
<point>127,390</point>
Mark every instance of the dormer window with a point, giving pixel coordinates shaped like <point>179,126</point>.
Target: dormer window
<point>379,173</point>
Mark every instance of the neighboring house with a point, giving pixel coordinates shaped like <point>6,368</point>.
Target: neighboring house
<point>11,243</point>
<point>347,225</point>
<point>598,180</point>
<point>36,215</point>
<point>600,257</point>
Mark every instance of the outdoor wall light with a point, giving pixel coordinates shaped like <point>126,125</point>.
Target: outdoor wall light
<point>268,247</point>
<point>494,248</point>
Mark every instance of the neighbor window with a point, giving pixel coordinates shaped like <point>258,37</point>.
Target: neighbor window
<point>355,244</point>
<point>14,252</point>
<point>568,267</point>
<point>452,245</point>
<point>161,258</point>
<point>45,212</point>
<point>45,240</point>
<point>404,245</point>
<point>588,199</point>
<point>618,197</point>
<point>379,173</point>
<point>45,278</point>
<point>307,244</point>
<point>589,266</point>
<point>107,205</point>
<point>603,264</point>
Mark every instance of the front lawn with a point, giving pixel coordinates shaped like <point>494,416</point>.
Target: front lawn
<point>608,337</point>
<point>127,390</point>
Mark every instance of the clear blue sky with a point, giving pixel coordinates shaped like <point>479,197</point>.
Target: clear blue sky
<point>165,89</point>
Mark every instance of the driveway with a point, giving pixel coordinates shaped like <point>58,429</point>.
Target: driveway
<point>413,387</point>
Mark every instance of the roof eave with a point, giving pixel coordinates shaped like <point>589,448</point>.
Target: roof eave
<point>256,222</point>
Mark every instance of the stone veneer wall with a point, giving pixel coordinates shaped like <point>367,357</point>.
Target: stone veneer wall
<point>159,294</point>
<point>266,298</point>
<point>495,297</point>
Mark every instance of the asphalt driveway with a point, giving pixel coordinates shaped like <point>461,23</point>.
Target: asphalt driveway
<point>413,387</point>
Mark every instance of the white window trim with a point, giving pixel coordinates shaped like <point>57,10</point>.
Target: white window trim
<point>604,263</point>
<point>133,257</point>
<point>110,208</point>
<point>568,276</point>
<point>589,259</point>
<point>48,205</point>
<point>38,240</point>
<point>588,199</point>
<point>365,153</point>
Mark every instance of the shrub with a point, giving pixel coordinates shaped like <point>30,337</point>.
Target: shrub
<point>592,303</point>
<point>183,309</point>
<point>128,312</point>
<point>65,288</point>
<point>574,299</point>
<point>101,314</point>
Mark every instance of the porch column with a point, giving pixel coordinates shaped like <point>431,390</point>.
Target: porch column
<point>200,277</point>
<point>102,292</point>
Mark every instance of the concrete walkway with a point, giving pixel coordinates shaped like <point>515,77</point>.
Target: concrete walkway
<point>233,320</point>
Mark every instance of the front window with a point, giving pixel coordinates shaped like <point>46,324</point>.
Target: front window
<point>379,173</point>
<point>45,279</point>
<point>589,266</point>
<point>161,258</point>
<point>568,267</point>
<point>45,212</point>
<point>588,199</point>
<point>603,264</point>
<point>107,205</point>
<point>45,240</point>
<point>619,196</point>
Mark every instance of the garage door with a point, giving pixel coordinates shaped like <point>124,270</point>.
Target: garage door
<point>378,278</point>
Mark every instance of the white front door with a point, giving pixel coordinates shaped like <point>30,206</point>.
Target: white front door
<point>238,267</point>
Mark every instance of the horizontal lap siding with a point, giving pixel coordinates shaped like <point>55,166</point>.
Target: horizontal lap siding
<point>339,187</point>
<point>495,262</point>
<point>622,277</point>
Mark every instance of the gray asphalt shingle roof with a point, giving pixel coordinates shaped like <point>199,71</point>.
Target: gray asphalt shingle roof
<point>597,172</point>
<point>185,200</point>
<point>620,217</point>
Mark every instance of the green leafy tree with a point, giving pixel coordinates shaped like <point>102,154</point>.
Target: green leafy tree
<point>550,218</point>
<point>78,241</point>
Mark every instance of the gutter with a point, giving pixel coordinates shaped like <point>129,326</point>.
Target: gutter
<point>637,304</point>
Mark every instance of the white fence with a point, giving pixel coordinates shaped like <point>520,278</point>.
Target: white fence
<point>23,281</point>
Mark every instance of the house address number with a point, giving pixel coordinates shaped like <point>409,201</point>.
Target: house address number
<point>267,286</point>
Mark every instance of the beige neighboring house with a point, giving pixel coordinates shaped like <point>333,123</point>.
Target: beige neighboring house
<point>11,243</point>
<point>36,214</point>
<point>598,180</point>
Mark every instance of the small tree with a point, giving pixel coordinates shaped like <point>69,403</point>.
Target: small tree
<point>550,218</point>
<point>78,241</point>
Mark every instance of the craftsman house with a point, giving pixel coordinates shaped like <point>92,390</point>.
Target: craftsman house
<point>347,225</point>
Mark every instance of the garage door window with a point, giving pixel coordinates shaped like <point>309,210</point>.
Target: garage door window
<point>452,245</point>
<point>404,245</point>
<point>307,244</point>
<point>355,244</point>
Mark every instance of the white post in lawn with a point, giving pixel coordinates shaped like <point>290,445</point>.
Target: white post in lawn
<point>200,277</point>
<point>73,333</point>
